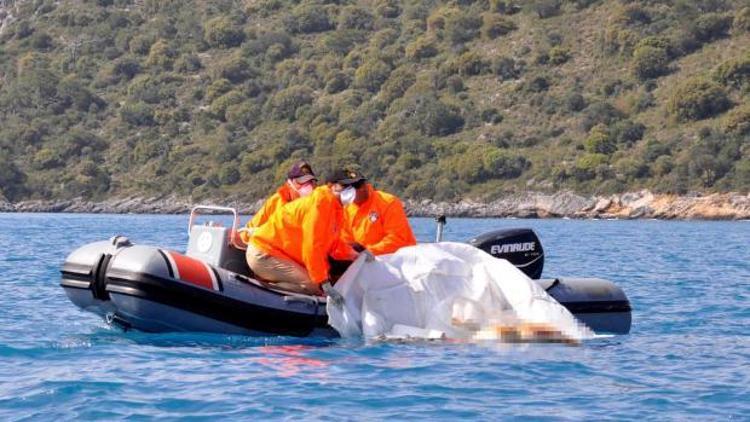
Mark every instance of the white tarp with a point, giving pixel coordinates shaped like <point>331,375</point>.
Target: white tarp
<point>443,290</point>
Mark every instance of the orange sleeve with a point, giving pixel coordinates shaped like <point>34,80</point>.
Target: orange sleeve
<point>317,239</point>
<point>265,211</point>
<point>397,230</point>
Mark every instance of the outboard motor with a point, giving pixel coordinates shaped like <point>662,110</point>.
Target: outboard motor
<point>521,247</point>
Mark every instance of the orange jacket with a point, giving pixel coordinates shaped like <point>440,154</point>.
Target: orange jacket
<point>282,196</point>
<point>306,231</point>
<point>379,224</point>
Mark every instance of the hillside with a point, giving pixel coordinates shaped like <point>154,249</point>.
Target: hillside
<point>433,99</point>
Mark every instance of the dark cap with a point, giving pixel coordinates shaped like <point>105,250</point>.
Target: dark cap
<point>300,169</point>
<point>346,176</point>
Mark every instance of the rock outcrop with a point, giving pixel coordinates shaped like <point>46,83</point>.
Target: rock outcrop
<point>643,204</point>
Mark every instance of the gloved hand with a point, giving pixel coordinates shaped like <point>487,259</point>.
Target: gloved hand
<point>369,257</point>
<point>333,295</point>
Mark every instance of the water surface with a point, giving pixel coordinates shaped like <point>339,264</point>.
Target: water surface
<point>687,356</point>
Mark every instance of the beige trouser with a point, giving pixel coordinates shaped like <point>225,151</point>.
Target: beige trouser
<point>283,273</point>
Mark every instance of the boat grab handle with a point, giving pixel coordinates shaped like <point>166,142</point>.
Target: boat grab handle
<point>233,211</point>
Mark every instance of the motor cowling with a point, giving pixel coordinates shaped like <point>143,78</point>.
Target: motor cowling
<point>521,247</point>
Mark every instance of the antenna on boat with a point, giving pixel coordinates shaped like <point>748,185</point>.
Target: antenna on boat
<point>441,221</point>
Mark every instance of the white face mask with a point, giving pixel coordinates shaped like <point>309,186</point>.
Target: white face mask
<point>348,195</point>
<point>305,190</point>
<point>302,191</point>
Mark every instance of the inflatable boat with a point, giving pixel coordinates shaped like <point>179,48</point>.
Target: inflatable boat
<point>210,288</point>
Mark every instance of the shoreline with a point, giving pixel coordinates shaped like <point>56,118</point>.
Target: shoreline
<point>633,205</point>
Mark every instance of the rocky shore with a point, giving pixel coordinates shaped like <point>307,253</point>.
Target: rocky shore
<point>643,204</point>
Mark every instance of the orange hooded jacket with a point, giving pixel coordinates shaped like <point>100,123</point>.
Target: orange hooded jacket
<point>306,231</point>
<point>379,224</point>
<point>282,196</point>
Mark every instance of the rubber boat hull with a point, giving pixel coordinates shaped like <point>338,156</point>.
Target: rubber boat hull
<point>157,290</point>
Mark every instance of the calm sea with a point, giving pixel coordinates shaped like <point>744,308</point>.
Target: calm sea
<point>687,357</point>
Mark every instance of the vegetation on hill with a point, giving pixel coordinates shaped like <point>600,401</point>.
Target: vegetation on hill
<point>433,99</point>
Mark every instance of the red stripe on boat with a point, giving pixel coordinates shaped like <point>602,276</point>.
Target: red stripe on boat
<point>193,271</point>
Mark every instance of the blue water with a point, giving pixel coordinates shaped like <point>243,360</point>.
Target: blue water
<point>687,357</point>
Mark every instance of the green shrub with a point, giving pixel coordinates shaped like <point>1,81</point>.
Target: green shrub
<point>218,107</point>
<point>455,84</point>
<point>337,82</point>
<point>712,26</point>
<point>632,14</point>
<point>545,8</point>
<point>655,149</point>
<point>355,17</point>
<point>599,141</point>
<point>284,103</point>
<point>12,179</point>
<point>737,121</point>
<point>663,165</point>
<point>161,55</point>
<point>398,82</point>
<point>126,68</point>
<point>631,168</point>
<point>41,41</point>
<point>76,142</point>
<point>734,72</point>
<point>742,174</point>
<point>45,159</point>
<point>137,114</point>
<point>537,84</point>
<point>343,41</point>
<point>491,115</point>
<point>741,21</point>
<point>152,89</point>
<point>626,132</point>
<point>650,62</point>
<point>505,7</point>
<point>383,39</point>
<point>600,112</point>
<point>236,69</point>
<point>427,114</point>
<point>697,99</point>
<point>455,25</point>
<point>263,41</point>
<point>470,63</point>
<point>422,48</point>
<point>306,19</point>
<point>586,166</point>
<point>461,27</point>
<point>217,88</point>
<point>371,75</point>
<point>499,164</point>
<point>506,68</point>
<point>72,93</point>
<point>188,63</point>
<point>229,175</point>
<point>141,44</point>
<point>221,32</point>
<point>388,9</point>
<point>436,19</point>
<point>495,25</point>
<point>575,102</point>
<point>559,55</point>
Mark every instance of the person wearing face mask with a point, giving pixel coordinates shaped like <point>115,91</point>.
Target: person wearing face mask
<point>292,248</point>
<point>374,220</point>
<point>300,182</point>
